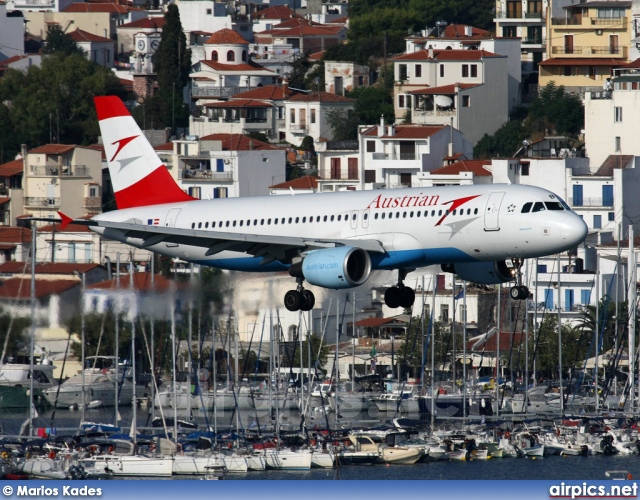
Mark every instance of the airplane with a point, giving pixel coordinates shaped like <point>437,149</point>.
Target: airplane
<point>482,233</point>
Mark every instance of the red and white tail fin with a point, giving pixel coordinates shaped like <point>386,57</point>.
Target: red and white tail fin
<point>138,176</point>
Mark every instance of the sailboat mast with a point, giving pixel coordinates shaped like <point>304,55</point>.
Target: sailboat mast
<point>560,340</point>
<point>633,272</point>
<point>134,315</point>
<point>33,326</point>
<point>116,312</point>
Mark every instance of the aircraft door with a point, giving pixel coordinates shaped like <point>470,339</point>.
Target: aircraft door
<point>365,219</point>
<point>170,221</point>
<point>491,222</point>
<point>354,219</point>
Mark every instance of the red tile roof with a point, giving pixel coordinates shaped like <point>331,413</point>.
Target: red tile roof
<point>340,20</point>
<point>167,146</point>
<point>4,200</point>
<point>100,7</point>
<point>4,64</point>
<point>489,345</point>
<point>316,56</point>
<point>303,30</point>
<point>446,55</point>
<point>267,93</point>
<point>320,97</point>
<point>580,62</point>
<point>13,234</point>
<point>306,182</point>
<point>141,283</point>
<point>226,37</point>
<point>238,103</point>
<point>127,84</point>
<point>80,36</point>
<point>11,168</point>
<point>407,131</point>
<point>243,67</point>
<point>478,167</point>
<point>445,89</point>
<point>145,23</point>
<point>45,268</point>
<point>53,149</point>
<point>20,288</point>
<point>97,147</point>
<point>238,142</point>
<point>276,12</point>
<point>458,31</point>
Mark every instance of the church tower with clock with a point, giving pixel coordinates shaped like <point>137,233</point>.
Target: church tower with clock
<point>145,46</point>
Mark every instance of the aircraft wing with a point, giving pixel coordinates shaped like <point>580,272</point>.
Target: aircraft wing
<point>271,248</point>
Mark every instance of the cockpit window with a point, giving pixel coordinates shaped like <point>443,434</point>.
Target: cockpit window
<point>538,207</point>
<point>526,207</point>
<point>553,205</point>
<point>564,203</point>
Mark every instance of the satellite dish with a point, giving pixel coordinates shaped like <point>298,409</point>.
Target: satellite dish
<point>443,101</point>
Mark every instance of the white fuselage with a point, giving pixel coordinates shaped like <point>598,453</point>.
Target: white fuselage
<point>484,223</point>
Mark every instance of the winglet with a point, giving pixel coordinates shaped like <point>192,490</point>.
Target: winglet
<point>65,220</point>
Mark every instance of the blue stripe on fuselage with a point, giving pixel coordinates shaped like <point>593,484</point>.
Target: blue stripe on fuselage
<point>390,260</point>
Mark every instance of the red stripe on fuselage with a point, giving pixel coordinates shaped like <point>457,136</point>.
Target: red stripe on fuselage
<point>109,106</point>
<point>155,189</point>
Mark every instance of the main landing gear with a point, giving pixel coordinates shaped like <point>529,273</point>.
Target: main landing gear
<point>400,295</point>
<point>519,291</point>
<point>299,299</point>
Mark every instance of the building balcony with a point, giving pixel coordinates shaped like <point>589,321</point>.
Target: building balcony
<point>601,94</point>
<point>538,40</point>
<point>296,128</point>
<point>199,92</point>
<point>395,156</point>
<point>617,23</point>
<point>520,16</point>
<point>59,171</point>
<point>205,175</point>
<point>591,51</point>
<point>591,203</point>
<point>39,202</point>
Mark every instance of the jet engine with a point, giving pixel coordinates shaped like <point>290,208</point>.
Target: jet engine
<point>486,273</point>
<point>339,267</point>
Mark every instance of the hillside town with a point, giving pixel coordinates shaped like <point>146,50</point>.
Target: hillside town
<point>250,131</point>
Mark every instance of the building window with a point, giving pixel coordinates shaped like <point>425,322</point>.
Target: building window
<point>444,313</point>
<point>280,112</point>
<point>244,55</point>
<point>208,12</point>
<point>231,56</point>
<point>597,222</point>
<point>465,71</point>
<point>548,298</point>
<point>401,101</point>
<point>577,195</point>
<point>474,71</point>
<point>442,71</point>
<point>402,72</point>
<point>607,196</point>
<point>611,216</point>
<point>618,144</point>
<point>72,252</point>
<point>418,70</point>
<point>313,115</point>
<point>585,297</point>
<point>371,146</point>
<point>617,111</point>
<point>542,268</point>
<point>292,116</point>
<point>335,168</point>
<point>369,176</point>
<point>353,168</point>
<point>466,101</point>
<point>524,169</point>
<point>214,55</point>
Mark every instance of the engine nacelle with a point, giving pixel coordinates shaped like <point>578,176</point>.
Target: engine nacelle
<point>339,267</point>
<point>486,273</point>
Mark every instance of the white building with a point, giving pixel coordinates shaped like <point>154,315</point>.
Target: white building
<point>612,117</point>
<point>97,48</point>
<point>463,37</point>
<point>467,89</point>
<point>395,155</point>
<point>210,16</point>
<point>225,166</point>
<point>307,114</point>
<point>11,34</point>
<point>342,76</point>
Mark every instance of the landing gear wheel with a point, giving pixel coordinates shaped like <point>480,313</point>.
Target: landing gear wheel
<point>515,292</point>
<point>392,297</point>
<point>525,293</point>
<point>309,300</point>
<point>293,300</point>
<point>407,297</point>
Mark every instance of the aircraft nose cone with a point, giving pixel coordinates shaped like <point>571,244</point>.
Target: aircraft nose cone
<point>573,230</point>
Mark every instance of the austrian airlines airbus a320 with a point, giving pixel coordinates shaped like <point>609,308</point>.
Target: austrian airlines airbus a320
<point>331,240</point>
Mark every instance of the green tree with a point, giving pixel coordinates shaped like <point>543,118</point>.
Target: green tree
<point>343,123</point>
<point>555,111</point>
<point>547,353</point>
<point>172,62</point>
<point>99,335</point>
<point>54,102</point>
<point>504,142</point>
<point>60,43</point>
<point>319,354</point>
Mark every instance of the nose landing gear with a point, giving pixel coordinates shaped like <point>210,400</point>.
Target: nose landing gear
<point>400,295</point>
<point>519,291</point>
<point>299,299</point>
